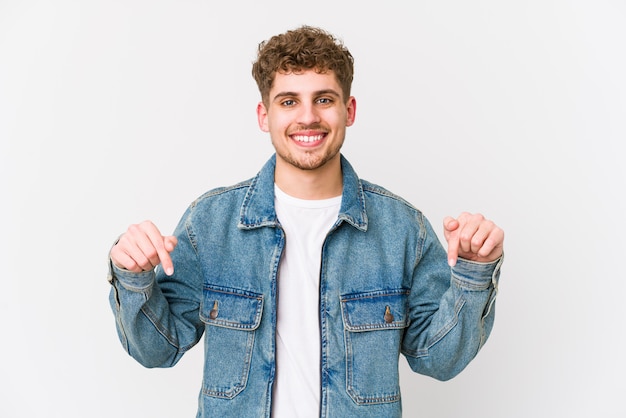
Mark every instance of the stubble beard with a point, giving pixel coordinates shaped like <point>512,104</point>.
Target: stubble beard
<point>309,163</point>
<point>311,160</point>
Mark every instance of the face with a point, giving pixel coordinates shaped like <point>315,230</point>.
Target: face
<point>306,118</point>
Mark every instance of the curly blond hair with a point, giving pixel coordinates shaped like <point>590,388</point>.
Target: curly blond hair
<point>301,49</point>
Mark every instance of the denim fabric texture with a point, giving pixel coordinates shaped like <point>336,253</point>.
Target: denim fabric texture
<point>385,289</point>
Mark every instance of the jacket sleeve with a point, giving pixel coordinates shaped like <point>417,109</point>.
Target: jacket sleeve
<point>451,310</point>
<point>157,316</point>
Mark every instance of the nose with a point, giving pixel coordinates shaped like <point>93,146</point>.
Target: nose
<point>308,114</point>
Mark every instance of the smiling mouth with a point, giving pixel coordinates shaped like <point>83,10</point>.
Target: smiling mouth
<point>308,138</point>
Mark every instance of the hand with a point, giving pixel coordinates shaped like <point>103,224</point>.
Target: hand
<point>142,248</point>
<point>472,237</point>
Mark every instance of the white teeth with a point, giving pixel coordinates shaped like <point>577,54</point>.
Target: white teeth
<point>307,138</point>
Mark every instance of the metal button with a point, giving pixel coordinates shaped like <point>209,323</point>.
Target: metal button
<point>214,311</point>
<point>388,315</point>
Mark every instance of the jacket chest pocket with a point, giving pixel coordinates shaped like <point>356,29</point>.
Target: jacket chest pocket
<point>374,323</point>
<point>231,317</point>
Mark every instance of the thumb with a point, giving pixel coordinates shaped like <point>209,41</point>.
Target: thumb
<point>450,224</point>
<point>170,243</point>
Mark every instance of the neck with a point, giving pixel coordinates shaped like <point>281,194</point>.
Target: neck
<point>320,183</point>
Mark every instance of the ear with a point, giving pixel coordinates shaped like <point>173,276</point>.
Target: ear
<point>261,115</point>
<point>351,110</point>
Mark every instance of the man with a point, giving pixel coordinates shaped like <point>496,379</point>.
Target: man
<point>306,281</point>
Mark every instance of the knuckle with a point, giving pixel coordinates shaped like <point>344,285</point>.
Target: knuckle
<point>477,242</point>
<point>466,237</point>
<point>478,217</point>
<point>151,254</point>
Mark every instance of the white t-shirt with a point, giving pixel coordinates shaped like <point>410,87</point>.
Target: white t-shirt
<point>306,224</point>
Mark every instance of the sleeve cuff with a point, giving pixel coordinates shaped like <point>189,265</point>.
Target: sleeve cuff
<point>472,275</point>
<point>135,282</point>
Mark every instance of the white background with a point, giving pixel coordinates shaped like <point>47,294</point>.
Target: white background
<point>112,112</point>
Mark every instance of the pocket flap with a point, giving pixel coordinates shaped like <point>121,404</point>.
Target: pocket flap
<point>231,308</point>
<point>384,309</point>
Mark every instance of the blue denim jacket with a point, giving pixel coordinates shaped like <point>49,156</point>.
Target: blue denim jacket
<point>385,289</point>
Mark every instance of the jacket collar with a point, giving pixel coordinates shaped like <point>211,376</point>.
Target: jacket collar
<point>258,209</point>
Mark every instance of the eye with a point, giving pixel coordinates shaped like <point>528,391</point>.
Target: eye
<point>324,100</point>
<point>288,102</point>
